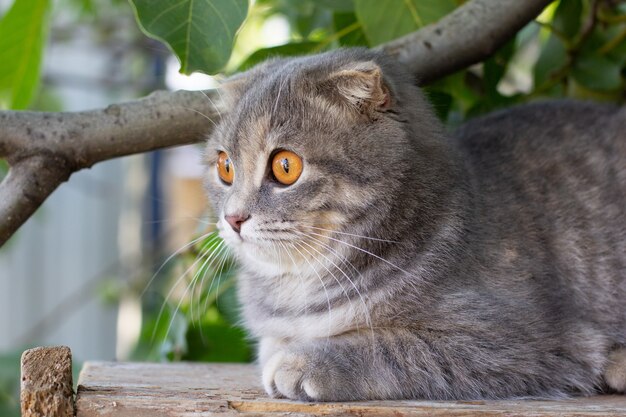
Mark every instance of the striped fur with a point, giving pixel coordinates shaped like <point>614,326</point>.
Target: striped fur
<point>407,262</point>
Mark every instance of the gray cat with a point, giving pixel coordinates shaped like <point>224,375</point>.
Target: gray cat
<point>383,258</point>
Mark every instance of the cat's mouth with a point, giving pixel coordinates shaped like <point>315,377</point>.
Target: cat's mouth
<point>285,243</point>
<point>288,248</point>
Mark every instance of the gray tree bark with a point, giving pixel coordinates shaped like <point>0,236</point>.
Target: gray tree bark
<point>44,149</point>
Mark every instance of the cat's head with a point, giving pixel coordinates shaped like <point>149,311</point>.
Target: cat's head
<point>312,151</point>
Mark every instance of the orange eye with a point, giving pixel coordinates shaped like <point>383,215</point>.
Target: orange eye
<point>286,167</point>
<point>225,168</point>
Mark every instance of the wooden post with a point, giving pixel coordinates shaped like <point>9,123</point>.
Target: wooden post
<point>46,389</point>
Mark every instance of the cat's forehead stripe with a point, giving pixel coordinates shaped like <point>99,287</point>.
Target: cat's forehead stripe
<point>259,169</point>
<point>253,145</point>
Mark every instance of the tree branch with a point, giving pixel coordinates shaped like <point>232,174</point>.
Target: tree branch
<point>44,149</point>
<point>26,187</point>
<point>470,34</point>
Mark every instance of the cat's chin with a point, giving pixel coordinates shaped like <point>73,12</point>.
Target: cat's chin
<point>268,258</point>
<point>259,259</point>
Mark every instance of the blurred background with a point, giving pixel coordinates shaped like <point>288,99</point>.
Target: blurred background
<point>106,266</point>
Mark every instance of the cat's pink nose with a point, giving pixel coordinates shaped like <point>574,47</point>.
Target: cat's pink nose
<point>236,220</point>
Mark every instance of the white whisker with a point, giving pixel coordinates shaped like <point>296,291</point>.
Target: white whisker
<point>223,252</point>
<point>169,258</point>
<point>219,275</point>
<point>212,103</point>
<point>365,309</point>
<point>171,291</point>
<point>330,316</point>
<point>365,251</point>
<point>280,89</point>
<point>278,251</point>
<point>194,280</point>
<point>368,318</point>
<point>201,114</point>
<point>351,234</point>
<point>182,298</point>
<point>295,265</point>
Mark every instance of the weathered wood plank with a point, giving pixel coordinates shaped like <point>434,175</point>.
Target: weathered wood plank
<point>46,387</point>
<point>194,390</point>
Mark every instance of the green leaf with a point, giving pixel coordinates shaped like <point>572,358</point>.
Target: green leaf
<point>597,73</point>
<point>288,49</point>
<point>346,24</point>
<point>597,69</point>
<point>568,17</point>
<point>463,97</point>
<point>552,58</point>
<point>217,342</point>
<point>611,37</point>
<point>23,31</point>
<point>441,102</point>
<point>307,21</point>
<point>304,16</point>
<point>495,67</point>
<point>200,33</point>
<point>338,5</point>
<point>384,20</point>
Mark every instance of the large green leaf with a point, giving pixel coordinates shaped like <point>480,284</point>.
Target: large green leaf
<point>598,73</point>
<point>338,5</point>
<point>384,20</point>
<point>568,17</point>
<point>347,25</point>
<point>597,70</point>
<point>553,56</point>
<point>23,31</point>
<point>200,32</point>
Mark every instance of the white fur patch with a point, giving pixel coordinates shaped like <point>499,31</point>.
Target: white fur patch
<point>615,374</point>
<point>269,372</point>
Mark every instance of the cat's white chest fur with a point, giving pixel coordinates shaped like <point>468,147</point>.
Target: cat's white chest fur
<point>292,305</point>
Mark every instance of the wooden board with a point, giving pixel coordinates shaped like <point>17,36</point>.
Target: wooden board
<point>194,390</point>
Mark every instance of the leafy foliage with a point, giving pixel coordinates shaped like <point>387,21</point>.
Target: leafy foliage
<point>9,384</point>
<point>197,319</point>
<point>584,54</point>
<point>22,36</point>
<point>385,20</point>
<point>201,33</point>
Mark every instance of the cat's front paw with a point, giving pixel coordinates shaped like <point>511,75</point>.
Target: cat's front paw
<point>305,376</point>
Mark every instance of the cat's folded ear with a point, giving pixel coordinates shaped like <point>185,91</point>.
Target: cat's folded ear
<point>361,86</point>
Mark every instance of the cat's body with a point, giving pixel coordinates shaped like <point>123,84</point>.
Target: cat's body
<point>406,264</point>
